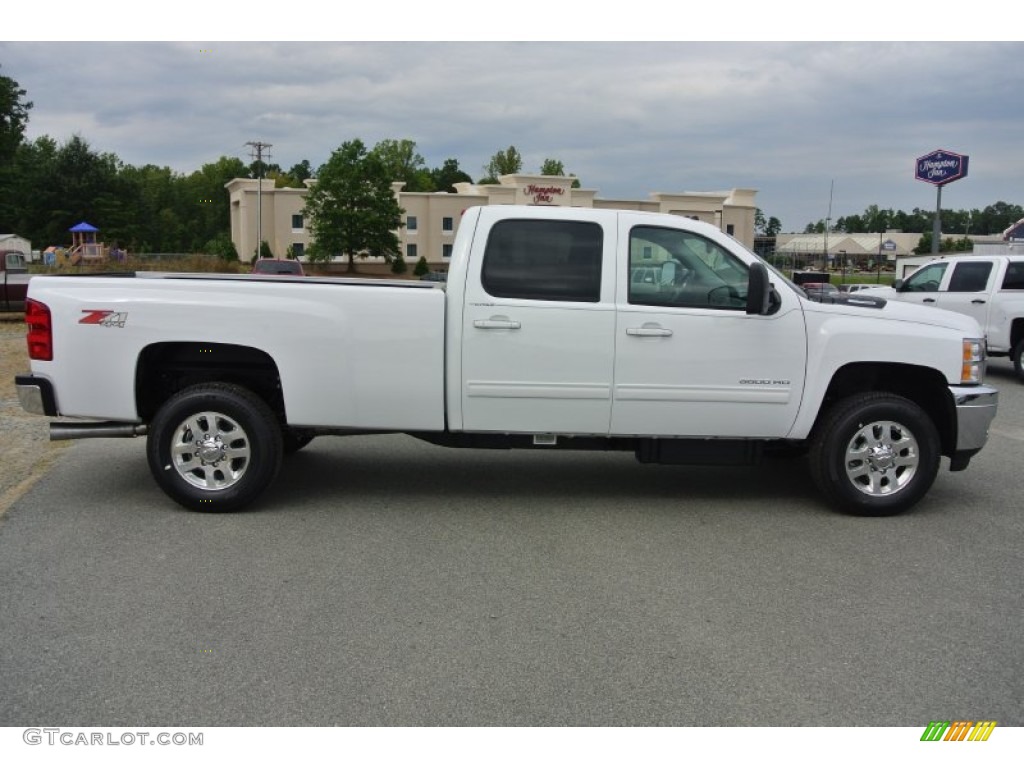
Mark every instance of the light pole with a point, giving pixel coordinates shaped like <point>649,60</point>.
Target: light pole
<point>258,147</point>
<point>878,266</point>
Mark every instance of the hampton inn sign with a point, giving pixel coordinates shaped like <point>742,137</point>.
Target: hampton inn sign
<point>543,195</point>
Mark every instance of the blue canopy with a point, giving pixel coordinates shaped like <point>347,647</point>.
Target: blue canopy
<point>83,226</point>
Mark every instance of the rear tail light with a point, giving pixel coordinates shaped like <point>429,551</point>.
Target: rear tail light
<point>40,330</point>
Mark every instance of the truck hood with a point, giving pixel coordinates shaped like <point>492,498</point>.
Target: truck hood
<point>899,311</point>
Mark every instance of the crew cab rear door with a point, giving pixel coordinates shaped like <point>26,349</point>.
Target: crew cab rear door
<point>538,323</point>
<point>968,288</point>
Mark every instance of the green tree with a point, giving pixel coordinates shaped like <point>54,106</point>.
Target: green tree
<point>552,167</point>
<point>502,163</point>
<point>421,267</point>
<point>448,175</point>
<point>13,118</point>
<point>398,265</point>
<point>295,176</point>
<point>351,210</point>
<point>763,225</point>
<point>404,163</point>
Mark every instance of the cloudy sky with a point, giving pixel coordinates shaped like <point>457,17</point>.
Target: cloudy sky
<point>628,118</point>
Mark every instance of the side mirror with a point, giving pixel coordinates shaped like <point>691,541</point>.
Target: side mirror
<point>897,284</point>
<point>758,290</point>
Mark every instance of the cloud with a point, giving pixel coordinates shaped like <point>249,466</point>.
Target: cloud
<point>627,118</point>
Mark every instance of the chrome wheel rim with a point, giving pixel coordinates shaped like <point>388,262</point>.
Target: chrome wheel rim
<point>882,458</point>
<point>210,451</point>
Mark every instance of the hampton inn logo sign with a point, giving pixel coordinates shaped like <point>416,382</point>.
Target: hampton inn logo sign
<point>541,195</point>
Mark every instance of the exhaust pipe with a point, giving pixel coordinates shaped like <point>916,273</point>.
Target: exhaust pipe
<point>72,431</point>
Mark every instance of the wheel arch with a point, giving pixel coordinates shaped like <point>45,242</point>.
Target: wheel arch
<point>924,386</point>
<point>1016,332</point>
<point>164,368</point>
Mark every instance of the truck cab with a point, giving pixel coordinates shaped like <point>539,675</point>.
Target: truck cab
<point>988,288</point>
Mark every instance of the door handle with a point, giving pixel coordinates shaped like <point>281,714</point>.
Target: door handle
<point>502,323</point>
<point>928,301</point>
<point>977,301</point>
<point>648,331</point>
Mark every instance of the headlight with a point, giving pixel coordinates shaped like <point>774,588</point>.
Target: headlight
<point>972,370</point>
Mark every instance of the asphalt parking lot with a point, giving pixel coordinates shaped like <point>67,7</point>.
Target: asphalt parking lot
<point>384,581</point>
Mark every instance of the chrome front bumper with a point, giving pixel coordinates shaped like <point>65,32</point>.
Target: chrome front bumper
<point>975,410</point>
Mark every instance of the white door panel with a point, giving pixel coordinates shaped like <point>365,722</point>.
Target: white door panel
<point>551,372</point>
<point>719,374</point>
<point>538,326</point>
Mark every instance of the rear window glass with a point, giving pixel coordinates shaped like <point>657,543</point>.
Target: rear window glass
<point>1014,278</point>
<point>544,260</point>
<point>970,276</point>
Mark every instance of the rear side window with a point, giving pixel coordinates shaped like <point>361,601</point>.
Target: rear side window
<point>1014,278</point>
<point>970,276</point>
<point>544,260</point>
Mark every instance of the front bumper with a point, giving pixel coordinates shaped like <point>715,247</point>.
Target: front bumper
<point>975,410</point>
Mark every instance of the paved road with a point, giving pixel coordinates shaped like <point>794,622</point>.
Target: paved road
<point>387,582</point>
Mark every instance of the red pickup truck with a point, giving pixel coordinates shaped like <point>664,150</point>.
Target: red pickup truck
<point>13,281</point>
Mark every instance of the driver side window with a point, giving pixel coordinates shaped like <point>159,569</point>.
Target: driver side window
<point>926,280</point>
<point>673,268</point>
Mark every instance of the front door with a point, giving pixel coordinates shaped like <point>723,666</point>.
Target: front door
<point>922,287</point>
<point>689,360</point>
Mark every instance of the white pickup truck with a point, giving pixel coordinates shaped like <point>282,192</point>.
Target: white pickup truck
<point>988,288</point>
<point>558,328</point>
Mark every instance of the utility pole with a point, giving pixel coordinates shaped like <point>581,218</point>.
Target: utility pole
<point>257,153</point>
<point>828,219</point>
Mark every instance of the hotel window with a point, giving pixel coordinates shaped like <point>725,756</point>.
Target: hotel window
<point>730,230</point>
<point>411,224</point>
<point>410,250</point>
<point>296,222</point>
<point>298,250</point>
<point>447,224</point>
<point>446,251</point>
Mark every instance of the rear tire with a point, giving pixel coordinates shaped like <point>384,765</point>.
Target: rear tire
<point>1018,359</point>
<point>875,454</point>
<point>214,447</point>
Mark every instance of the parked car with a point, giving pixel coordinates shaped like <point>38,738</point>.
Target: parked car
<point>277,267</point>
<point>854,287</point>
<point>13,281</point>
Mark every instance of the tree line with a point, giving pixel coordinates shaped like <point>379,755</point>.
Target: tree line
<point>990,220</point>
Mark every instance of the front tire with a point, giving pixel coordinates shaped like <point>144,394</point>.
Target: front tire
<point>214,447</point>
<point>875,454</point>
<point>1018,359</point>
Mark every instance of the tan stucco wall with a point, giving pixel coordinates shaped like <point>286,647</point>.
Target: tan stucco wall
<point>733,209</point>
